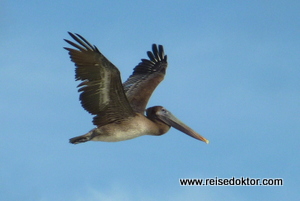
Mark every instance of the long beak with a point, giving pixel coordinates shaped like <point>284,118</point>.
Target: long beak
<point>168,118</point>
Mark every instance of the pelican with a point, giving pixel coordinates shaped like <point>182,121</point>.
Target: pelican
<point>119,108</point>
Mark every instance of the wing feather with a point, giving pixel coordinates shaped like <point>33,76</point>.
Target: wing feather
<point>145,78</point>
<point>101,90</point>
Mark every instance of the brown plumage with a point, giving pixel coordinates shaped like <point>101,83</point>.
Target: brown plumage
<point>119,109</point>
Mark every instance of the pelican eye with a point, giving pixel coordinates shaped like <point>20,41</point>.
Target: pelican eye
<point>164,110</point>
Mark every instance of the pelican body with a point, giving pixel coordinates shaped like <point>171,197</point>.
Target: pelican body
<point>119,108</point>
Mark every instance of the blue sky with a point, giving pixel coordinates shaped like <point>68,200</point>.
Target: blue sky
<point>233,76</point>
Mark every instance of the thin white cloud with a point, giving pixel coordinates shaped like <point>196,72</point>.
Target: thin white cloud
<point>123,193</point>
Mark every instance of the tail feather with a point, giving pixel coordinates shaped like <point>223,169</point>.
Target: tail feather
<point>79,139</point>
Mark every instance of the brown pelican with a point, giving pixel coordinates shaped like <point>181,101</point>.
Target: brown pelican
<point>119,109</point>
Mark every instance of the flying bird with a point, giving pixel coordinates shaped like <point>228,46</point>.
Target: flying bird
<point>119,109</point>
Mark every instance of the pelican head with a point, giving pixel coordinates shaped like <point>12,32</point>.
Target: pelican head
<point>160,114</point>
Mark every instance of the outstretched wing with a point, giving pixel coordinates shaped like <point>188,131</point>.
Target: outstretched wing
<point>145,78</point>
<point>101,90</point>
